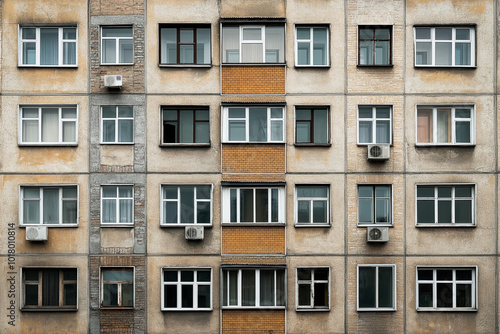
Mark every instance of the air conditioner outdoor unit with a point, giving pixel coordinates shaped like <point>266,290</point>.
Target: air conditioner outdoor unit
<point>194,232</point>
<point>378,151</point>
<point>377,234</point>
<point>113,81</point>
<point>36,233</point>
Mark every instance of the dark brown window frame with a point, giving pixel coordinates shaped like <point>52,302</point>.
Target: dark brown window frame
<point>311,122</point>
<point>179,27</point>
<point>373,27</point>
<point>178,110</point>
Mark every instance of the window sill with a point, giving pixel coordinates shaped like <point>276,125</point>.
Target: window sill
<point>254,142</point>
<point>113,143</point>
<point>253,308</point>
<point>366,144</point>
<point>253,224</point>
<point>375,66</point>
<point>24,309</point>
<point>119,225</point>
<point>48,225</point>
<point>48,66</point>
<point>312,144</point>
<point>117,308</point>
<point>117,64</point>
<point>376,310</point>
<point>446,225</point>
<point>185,65</point>
<point>444,67</point>
<point>185,225</point>
<point>186,310</point>
<point>444,309</point>
<point>184,145</point>
<point>312,225</point>
<point>375,225</point>
<point>253,64</point>
<point>47,144</point>
<point>312,309</point>
<point>445,145</point>
<point>313,66</point>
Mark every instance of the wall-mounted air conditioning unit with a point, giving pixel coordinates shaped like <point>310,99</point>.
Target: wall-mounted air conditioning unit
<point>378,151</point>
<point>377,234</point>
<point>113,81</point>
<point>194,233</point>
<point>36,233</point>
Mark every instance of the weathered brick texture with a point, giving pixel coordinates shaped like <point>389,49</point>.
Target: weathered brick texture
<point>117,7</point>
<point>253,80</point>
<point>253,158</point>
<point>253,240</point>
<point>250,321</point>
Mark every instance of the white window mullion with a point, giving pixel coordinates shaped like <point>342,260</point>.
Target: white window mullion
<point>434,288</point>
<point>37,47</point>
<point>453,202</point>
<point>257,287</point>
<point>178,205</point>
<point>60,46</point>
<point>436,205</point>
<point>433,46</point>
<point>41,206</point>
<point>247,124</point>
<point>376,287</point>
<point>454,288</point>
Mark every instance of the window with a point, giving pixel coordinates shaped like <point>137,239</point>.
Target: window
<point>51,205</point>
<point>117,287</point>
<point>313,288</point>
<point>446,205</point>
<point>47,46</point>
<point>374,125</point>
<point>47,289</point>
<point>312,125</point>
<point>117,124</point>
<point>445,125</point>
<point>254,124</point>
<point>117,45</point>
<point>117,205</point>
<point>186,125</point>
<point>184,45</point>
<point>445,46</point>
<point>446,289</point>
<point>375,45</point>
<point>253,288</point>
<point>253,205</point>
<point>187,289</point>
<point>253,44</point>
<point>377,287</point>
<point>312,206</point>
<point>48,125</point>
<point>186,204</point>
<point>311,46</point>
<point>374,204</point>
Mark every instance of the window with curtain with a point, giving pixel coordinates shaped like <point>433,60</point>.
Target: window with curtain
<point>186,125</point>
<point>186,289</point>
<point>445,125</point>
<point>374,204</point>
<point>48,46</point>
<point>374,125</point>
<point>117,45</point>
<point>376,287</point>
<point>185,45</point>
<point>48,289</point>
<point>313,288</point>
<point>446,205</point>
<point>50,205</point>
<point>311,46</point>
<point>445,46</point>
<point>117,124</point>
<point>253,44</point>
<point>186,204</point>
<point>117,287</point>
<point>312,125</point>
<point>254,124</point>
<point>251,205</point>
<point>253,288</point>
<point>375,45</point>
<point>312,205</point>
<point>117,205</point>
<point>48,125</point>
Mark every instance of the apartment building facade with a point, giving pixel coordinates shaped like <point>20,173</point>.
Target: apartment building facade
<point>284,166</point>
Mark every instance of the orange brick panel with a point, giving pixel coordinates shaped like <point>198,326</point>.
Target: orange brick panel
<point>253,321</point>
<point>117,321</point>
<point>253,158</point>
<point>253,240</point>
<point>253,80</point>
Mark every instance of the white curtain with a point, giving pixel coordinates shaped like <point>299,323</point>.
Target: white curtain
<point>275,44</point>
<point>109,211</point>
<point>230,44</point>
<point>51,206</point>
<point>50,125</point>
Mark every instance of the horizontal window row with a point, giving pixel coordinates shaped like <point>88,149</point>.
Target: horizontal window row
<point>190,125</point>
<point>191,45</point>
<point>186,204</point>
<point>438,288</point>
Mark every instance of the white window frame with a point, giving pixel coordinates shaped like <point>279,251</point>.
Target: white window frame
<point>394,283</point>
<point>37,41</point>
<point>61,122</point>
<point>117,45</point>
<point>61,281</point>
<point>311,43</point>
<point>119,291</point>
<point>226,205</point>
<point>195,284</point>
<point>453,200</point>
<point>453,121</point>
<point>116,120</point>
<point>453,281</point>
<point>117,200</point>
<point>246,119</point>
<point>179,205</point>
<point>312,282</point>
<point>374,208</point>
<point>239,288</point>
<point>311,200</point>
<point>433,40</point>
<point>40,199</point>
<point>374,119</point>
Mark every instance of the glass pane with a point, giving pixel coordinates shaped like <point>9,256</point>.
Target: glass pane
<point>125,130</point>
<point>118,275</point>
<point>170,212</point>
<point>203,276</point>
<point>70,209</point>
<point>366,33</point>
<point>304,295</point>
<point>126,51</point>
<point>237,131</point>
<point>108,112</point>
<point>317,192</point>
<point>304,274</point>
<point>465,274</point>
<point>187,296</point>
<point>382,210</point>
<point>280,288</point>
<point>464,295</point>
<point>168,45</point>
<point>125,111</point>
<point>463,212</point>
<point>303,132</point>
<point>463,191</point>
<point>319,46</point>
<point>303,212</point>
<point>31,212</point>
<point>117,32</point>
<point>186,54</point>
<point>425,296</point>
<point>125,191</point>
<point>444,295</point>
<point>424,126</point>
<point>462,132</point>
<point>262,205</point>
<point>443,53</point>
<point>50,125</point>
<point>425,191</point>
<point>462,34</point>
<point>127,295</point>
<point>365,210</point>
<point>444,274</point>
<point>69,274</point>
<point>382,191</point>
<point>50,206</point>
<point>252,34</point>
<point>320,212</point>
<point>186,35</point>
<point>444,192</point>
<point>267,288</point>
<point>383,130</point>
<point>277,130</point>
<point>382,52</point>
<point>31,294</point>
<point>382,33</point>
<point>425,212</point>
<point>383,112</point>
<point>463,54</point>
<point>303,53</point>
<point>110,295</point>
<point>170,292</point>
<point>252,53</point>
<point>423,54</point>
<point>186,119</point>
<point>321,295</point>
<point>29,53</point>
<point>258,124</point>
<point>233,288</point>
<point>69,294</point>
<point>443,119</point>
<point>203,48</point>
<point>187,276</point>
<point>444,212</point>
<point>462,113</point>
<point>443,33</point>
<point>248,288</point>
<point>28,33</point>
<point>204,296</point>
<point>203,213</point>
<point>365,191</point>
<point>303,33</point>
<point>69,33</point>
<point>49,46</point>
<point>187,205</point>
<point>68,113</point>
<point>385,287</point>
<point>275,44</point>
<point>365,132</point>
<point>274,206</point>
<point>69,132</point>
<point>423,33</point>
<point>320,126</point>
<point>246,206</point>
<point>366,52</point>
<point>109,51</point>
<point>425,274</point>
<point>69,53</point>
<point>366,287</point>
<point>170,276</point>
<point>321,274</point>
